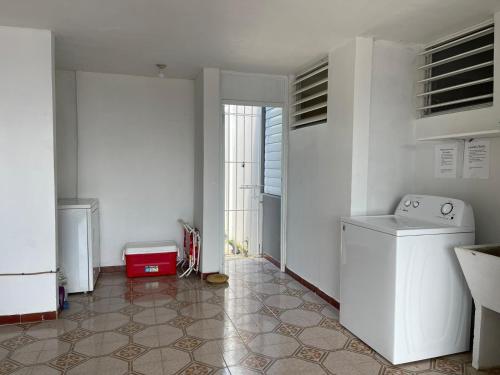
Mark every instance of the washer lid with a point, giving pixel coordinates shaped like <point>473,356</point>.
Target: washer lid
<point>397,225</point>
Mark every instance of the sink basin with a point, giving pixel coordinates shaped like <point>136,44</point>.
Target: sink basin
<point>481,267</point>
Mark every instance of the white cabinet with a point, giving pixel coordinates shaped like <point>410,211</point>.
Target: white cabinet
<point>79,243</point>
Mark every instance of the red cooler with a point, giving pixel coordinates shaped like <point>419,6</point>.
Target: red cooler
<point>150,258</point>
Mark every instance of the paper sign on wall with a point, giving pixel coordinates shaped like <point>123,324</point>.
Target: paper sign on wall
<point>446,160</point>
<point>477,159</point>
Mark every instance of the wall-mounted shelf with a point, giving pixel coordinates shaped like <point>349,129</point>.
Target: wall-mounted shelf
<point>479,134</point>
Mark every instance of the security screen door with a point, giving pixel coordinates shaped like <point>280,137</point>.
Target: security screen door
<point>242,179</point>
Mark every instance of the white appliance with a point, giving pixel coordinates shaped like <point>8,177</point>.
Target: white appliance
<point>79,243</point>
<point>402,291</point>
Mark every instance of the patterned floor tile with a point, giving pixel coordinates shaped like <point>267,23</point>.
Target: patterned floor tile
<point>104,322</point>
<point>195,295</point>
<point>131,309</point>
<point>8,367</point>
<point>17,342</point>
<point>272,311</point>
<point>311,306</point>
<point>347,363</point>
<point>358,346</point>
<point>38,370</point>
<point>130,328</point>
<point>161,361</point>
<point>246,336</point>
<point>188,343</point>
<point>323,338</point>
<point>75,335</point>
<point>295,366</point>
<point>197,369</point>
<point>210,329</point>
<point>216,300</point>
<point>156,336</point>
<point>283,302</point>
<point>209,354</point>
<point>256,323</point>
<point>262,321</point>
<point>67,361</point>
<point>256,362</point>
<point>331,324</point>
<point>51,329</point>
<point>10,331</point>
<point>130,352</point>
<point>177,305</point>
<point>3,353</point>
<point>82,315</point>
<point>274,345</point>
<point>390,370</point>
<point>40,351</point>
<point>447,366</point>
<point>181,321</point>
<point>301,318</point>
<point>100,365</point>
<point>201,310</point>
<point>101,344</point>
<point>155,315</point>
<point>294,292</point>
<point>288,329</point>
<point>310,354</point>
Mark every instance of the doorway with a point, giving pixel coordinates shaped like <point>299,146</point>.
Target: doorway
<point>252,182</point>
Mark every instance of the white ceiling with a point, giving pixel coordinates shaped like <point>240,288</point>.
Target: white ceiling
<point>267,36</point>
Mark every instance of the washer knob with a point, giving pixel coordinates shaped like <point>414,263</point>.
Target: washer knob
<point>407,203</point>
<point>416,204</point>
<point>446,208</point>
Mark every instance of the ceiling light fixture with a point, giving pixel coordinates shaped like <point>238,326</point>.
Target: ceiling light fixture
<point>161,70</point>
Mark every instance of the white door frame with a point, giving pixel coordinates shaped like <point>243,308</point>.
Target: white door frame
<point>284,175</point>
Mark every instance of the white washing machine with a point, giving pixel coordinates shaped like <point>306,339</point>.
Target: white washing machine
<point>402,291</point>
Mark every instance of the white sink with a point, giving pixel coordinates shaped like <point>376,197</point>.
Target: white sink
<point>481,267</point>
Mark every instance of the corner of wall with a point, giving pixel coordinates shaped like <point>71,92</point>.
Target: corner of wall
<point>213,194</point>
<point>363,61</point>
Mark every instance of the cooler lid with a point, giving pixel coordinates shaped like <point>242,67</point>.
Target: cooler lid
<point>150,247</point>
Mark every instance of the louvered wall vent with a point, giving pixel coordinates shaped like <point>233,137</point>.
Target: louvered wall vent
<point>310,96</point>
<point>457,73</point>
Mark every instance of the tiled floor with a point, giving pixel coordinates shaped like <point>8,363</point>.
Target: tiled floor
<point>262,322</point>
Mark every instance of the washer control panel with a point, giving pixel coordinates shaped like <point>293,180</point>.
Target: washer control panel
<point>447,211</point>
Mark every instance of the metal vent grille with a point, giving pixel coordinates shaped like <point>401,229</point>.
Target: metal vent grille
<point>310,96</point>
<point>457,74</point>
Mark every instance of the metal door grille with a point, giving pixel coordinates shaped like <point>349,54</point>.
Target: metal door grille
<point>242,178</point>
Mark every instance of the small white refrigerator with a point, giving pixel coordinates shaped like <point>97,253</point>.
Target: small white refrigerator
<point>79,243</point>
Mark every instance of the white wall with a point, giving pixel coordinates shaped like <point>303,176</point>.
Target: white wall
<point>210,129</point>
<point>391,166</point>
<point>136,155</point>
<point>483,195</point>
<point>359,162</point>
<point>319,181</point>
<point>27,171</point>
<point>363,70</point>
<point>253,88</point>
<point>66,132</point>
<point>198,152</point>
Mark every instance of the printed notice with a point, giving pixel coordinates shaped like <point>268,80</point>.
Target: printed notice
<point>445,160</point>
<point>477,159</point>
